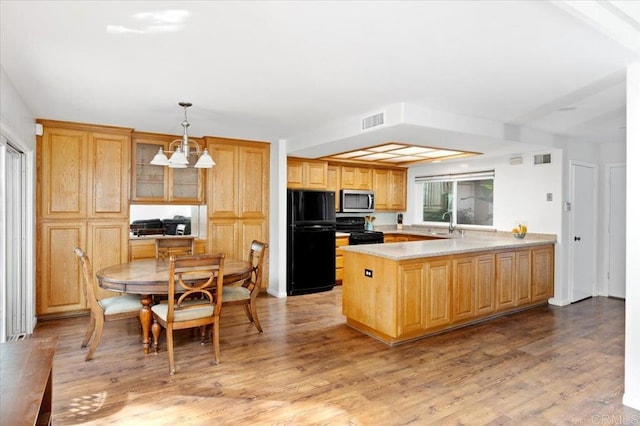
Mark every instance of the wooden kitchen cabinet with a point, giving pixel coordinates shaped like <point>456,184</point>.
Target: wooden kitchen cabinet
<point>412,298</point>
<point>82,201</point>
<point>306,174</point>
<point>523,277</point>
<point>438,293</point>
<point>340,241</point>
<point>514,277</point>
<point>60,289</point>
<point>542,273</point>
<point>83,171</point>
<point>506,280</point>
<point>62,172</point>
<point>405,299</point>
<point>395,238</point>
<point>238,197</point>
<point>390,188</point>
<point>59,275</point>
<point>333,182</point>
<point>145,248</point>
<point>354,177</point>
<point>160,184</point>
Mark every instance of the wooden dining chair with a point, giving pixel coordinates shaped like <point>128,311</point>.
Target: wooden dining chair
<point>108,309</point>
<point>246,293</point>
<point>175,246</point>
<point>196,281</point>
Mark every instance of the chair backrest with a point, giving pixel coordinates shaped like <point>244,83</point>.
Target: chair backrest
<point>200,276</point>
<point>256,259</point>
<point>175,246</point>
<point>89,280</point>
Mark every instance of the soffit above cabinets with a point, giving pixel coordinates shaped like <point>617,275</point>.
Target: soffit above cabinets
<point>398,154</point>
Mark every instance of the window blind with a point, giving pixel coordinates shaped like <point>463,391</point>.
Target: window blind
<point>456,177</point>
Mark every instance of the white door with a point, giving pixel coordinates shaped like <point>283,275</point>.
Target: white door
<point>617,230</point>
<point>584,184</point>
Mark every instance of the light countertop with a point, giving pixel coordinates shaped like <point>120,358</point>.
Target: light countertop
<point>449,245</point>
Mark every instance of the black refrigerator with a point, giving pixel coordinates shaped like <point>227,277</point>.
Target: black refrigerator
<point>311,241</point>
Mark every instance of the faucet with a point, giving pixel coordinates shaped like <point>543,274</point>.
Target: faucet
<point>451,227</point>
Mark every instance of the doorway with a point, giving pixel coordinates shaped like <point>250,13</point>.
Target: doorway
<point>615,249</point>
<point>15,303</point>
<point>582,244</point>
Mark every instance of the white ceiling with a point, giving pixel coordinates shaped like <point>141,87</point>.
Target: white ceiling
<point>301,70</point>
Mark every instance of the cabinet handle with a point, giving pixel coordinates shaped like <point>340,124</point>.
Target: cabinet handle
<point>576,238</point>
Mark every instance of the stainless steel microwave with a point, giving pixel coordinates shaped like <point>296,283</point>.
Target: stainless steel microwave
<point>356,201</point>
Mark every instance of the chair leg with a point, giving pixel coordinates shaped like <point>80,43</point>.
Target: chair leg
<point>99,324</point>
<point>216,341</point>
<point>203,334</point>
<point>90,329</point>
<point>254,316</point>
<point>172,365</point>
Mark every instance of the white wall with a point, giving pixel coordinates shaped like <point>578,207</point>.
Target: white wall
<point>520,191</point>
<point>16,121</point>
<point>278,220</point>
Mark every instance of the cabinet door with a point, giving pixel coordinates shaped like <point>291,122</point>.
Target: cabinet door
<point>464,277</point>
<point>356,177</point>
<point>109,159</point>
<point>149,183</point>
<point>142,249</point>
<point>222,181</point>
<point>381,189</point>
<point>541,273</point>
<point>505,280</point>
<point>249,230</point>
<point>412,298</point>
<point>306,174</point>
<point>253,167</point>
<point>523,277</point>
<point>333,182</point>
<point>107,244</point>
<point>62,176</point>
<point>295,174</point>
<point>223,236</point>
<point>316,174</point>
<point>438,292</point>
<point>398,190</point>
<point>186,186</point>
<point>485,284</point>
<point>340,241</point>
<point>60,287</point>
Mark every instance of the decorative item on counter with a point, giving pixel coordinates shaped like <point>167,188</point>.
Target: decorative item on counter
<point>399,224</point>
<point>368,222</point>
<point>520,230</point>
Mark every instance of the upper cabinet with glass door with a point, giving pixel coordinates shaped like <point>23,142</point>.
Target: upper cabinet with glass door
<point>153,184</point>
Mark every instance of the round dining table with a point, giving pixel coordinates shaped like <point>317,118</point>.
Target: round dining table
<point>148,277</point>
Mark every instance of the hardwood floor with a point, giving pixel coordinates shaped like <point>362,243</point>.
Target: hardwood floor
<point>548,365</point>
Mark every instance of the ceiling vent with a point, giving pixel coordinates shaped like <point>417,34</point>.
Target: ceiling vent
<point>542,159</point>
<point>373,121</point>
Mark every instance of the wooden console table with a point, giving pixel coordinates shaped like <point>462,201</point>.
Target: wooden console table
<point>26,381</point>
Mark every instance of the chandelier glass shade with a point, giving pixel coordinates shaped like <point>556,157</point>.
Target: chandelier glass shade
<point>180,149</point>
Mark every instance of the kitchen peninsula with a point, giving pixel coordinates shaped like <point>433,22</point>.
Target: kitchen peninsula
<point>398,292</point>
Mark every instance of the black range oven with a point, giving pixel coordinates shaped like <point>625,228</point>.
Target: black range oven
<point>357,235</point>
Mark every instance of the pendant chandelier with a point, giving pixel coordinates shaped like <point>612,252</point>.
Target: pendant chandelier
<point>180,155</point>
